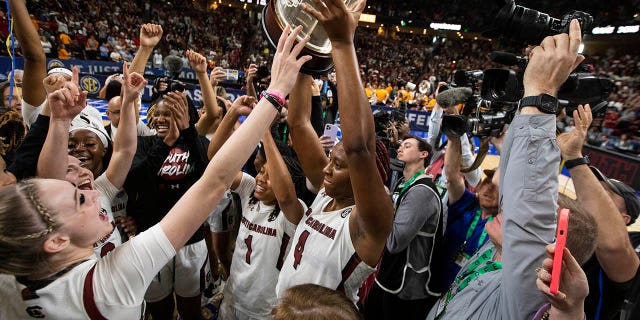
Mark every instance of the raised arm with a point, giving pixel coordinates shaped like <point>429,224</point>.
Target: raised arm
<point>198,63</point>
<point>240,107</point>
<point>304,137</point>
<point>35,62</point>
<point>614,250</point>
<point>65,103</point>
<point>252,71</point>
<point>187,215</point>
<point>124,146</point>
<point>452,163</point>
<point>371,221</point>
<point>150,35</point>
<point>281,181</point>
<point>528,177</point>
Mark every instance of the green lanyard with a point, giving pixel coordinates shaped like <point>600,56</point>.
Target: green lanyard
<point>472,228</point>
<point>411,180</point>
<point>463,280</point>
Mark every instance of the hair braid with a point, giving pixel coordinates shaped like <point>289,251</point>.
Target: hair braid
<point>47,215</point>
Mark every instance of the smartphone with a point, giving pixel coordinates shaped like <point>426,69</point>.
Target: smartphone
<point>333,131</point>
<point>561,239</point>
<point>230,74</point>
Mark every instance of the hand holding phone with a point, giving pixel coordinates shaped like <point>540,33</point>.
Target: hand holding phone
<point>561,239</point>
<point>333,131</point>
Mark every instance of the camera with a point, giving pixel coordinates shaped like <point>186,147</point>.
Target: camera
<point>482,125</point>
<point>479,117</point>
<point>525,24</point>
<point>172,85</point>
<point>504,86</point>
<point>465,78</point>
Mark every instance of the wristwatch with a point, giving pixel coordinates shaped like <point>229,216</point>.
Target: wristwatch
<point>544,102</point>
<point>570,164</point>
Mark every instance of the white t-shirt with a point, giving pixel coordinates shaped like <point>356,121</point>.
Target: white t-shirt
<point>261,246</point>
<point>108,194</point>
<point>112,287</point>
<point>322,252</point>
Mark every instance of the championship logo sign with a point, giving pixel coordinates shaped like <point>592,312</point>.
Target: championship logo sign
<point>55,63</point>
<point>90,84</point>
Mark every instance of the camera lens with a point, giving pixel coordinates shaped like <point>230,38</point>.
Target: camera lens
<point>525,24</point>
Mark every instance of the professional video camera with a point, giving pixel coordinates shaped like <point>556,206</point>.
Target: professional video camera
<point>582,87</point>
<point>521,23</point>
<point>478,117</point>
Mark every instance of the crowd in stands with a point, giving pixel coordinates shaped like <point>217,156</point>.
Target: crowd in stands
<point>102,30</point>
<point>476,15</point>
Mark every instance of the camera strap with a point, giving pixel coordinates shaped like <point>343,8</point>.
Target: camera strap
<point>482,152</point>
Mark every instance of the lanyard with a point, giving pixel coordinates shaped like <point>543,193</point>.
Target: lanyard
<point>472,228</point>
<point>471,274</point>
<point>411,180</point>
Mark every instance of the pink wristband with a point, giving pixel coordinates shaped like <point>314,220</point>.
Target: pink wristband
<point>278,95</point>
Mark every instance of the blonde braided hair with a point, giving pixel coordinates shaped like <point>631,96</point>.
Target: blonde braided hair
<point>29,188</point>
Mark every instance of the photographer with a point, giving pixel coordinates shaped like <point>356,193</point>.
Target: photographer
<point>498,282</point>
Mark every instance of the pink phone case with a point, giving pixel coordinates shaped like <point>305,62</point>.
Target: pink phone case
<point>561,239</point>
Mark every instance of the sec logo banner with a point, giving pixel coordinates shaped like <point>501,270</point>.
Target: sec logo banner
<point>90,84</point>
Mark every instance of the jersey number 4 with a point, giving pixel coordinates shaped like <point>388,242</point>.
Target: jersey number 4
<point>297,253</point>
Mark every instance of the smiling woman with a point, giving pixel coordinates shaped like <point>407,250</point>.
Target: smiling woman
<point>89,142</point>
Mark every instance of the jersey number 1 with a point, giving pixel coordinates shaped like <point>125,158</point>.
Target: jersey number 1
<point>247,241</point>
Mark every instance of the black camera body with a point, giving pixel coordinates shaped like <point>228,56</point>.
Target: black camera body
<point>172,85</point>
<point>485,124</point>
<point>525,24</point>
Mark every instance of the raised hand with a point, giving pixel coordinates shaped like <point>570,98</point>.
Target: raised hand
<point>217,74</point>
<point>252,72</point>
<point>54,82</point>
<point>244,105</point>
<point>150,35</point>
<point>551,62</point>
<point>133,84</point>
<point>286,65</point>
<point>67,103</point>
<point>338,20</point>
<point>327,142</point>
<point>177,102</point>
<point>57,81</point>
<point>570,143</point>
<point>440,85</point>
<point>573,283</point>
<point>197,62</point>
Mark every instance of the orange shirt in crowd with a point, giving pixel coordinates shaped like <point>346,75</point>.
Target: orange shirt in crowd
<point>63,54</point>
<point>368,91</point>
<point>65,39</point>
<point>381,95</point>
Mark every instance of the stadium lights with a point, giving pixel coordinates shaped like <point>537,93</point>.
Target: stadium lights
<point>628,29</point>
<point>603,30</point>
<point>371,18</point>
<point>445,26</point>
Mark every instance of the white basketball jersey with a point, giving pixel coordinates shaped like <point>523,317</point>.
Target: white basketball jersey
<point>61,299</point>
<point>107,194</point>
<point>322,252</point>
<point>107,288</point>
<point>261,246</point>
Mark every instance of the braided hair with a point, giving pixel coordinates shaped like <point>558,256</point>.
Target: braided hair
<point>12,131</point>
<point>25,222</point>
